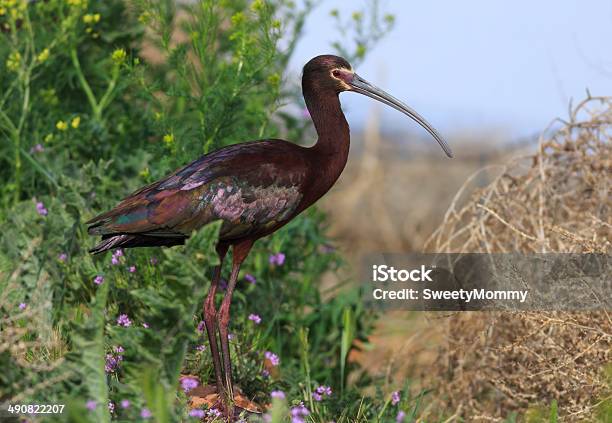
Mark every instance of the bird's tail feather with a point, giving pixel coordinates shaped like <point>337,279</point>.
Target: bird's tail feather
<point>110,242</point>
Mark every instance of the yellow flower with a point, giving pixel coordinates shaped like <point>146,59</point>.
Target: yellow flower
<point>169,139</point>
<point>48,138</point>
<point>91,18</point>
<point>43,55</point>
<point>119,56</point>
<point>238,18</point>
<point>13,61</point>
<point>144,173</point>
<point>257,5</point>
<point>144,17</point>
<point>76,122</point>
<point>61,125</point>
<point>274,79</point>
<point>2,11</point>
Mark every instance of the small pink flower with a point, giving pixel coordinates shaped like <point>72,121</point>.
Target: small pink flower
<point>91,405</point>
<point>277,394</point>
<point>40,208</point>
<point>98,280</point>
<point>145,325</point>
<point>145,413</point>
<point>188,383</point>
<point>124,320</point>
<point>125,403</point>
<point>277,259</point>
<point>201,326</point>
<point>395,397</point>
<point>132,269</point>
<point>22,306</point>
<point>255,318</point>
<point>273,358</point>
<point>196,412</point>
<point>201,348</point>
<point>62,257</point>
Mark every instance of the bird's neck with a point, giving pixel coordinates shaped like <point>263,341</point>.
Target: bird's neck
<point>330,153</point>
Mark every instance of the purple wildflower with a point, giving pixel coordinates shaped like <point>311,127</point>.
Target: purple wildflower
<point>22,306</point>
<point>132,269</point>
<point>124,320</point>
<point>115,257</point>
<point>230,336</point>
<point>277,259</point>
<point>111,407</point>
<point>145,413</point>
<point>40,208</point>
<point>38,148</point>
<point>62,257</point>
<point>214,413</point>
<point>113,360</point>
<point>188,383</point>
<point>273,358</point>
<point>91,405</point>
<point>265,373</point>
<point>298,413</point>
<point>255,318</point>
<point>98,279</point>
<point>196,412</point>
<point>125,403</point>
<point>145,325</point>
<point>277,394</point>
<point>395,397</point>
<point>250,278</point>
<point>201,348</point>
<point>321,392</point>
<point>153,261</point>
<point>201,326</point>
<point>400,416</point>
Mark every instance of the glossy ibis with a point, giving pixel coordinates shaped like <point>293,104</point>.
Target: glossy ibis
<point>254,188</point>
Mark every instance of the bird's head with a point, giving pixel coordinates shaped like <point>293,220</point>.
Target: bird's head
<point>329,73</point>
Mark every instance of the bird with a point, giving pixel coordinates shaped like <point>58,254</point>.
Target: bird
<point>254,188</point>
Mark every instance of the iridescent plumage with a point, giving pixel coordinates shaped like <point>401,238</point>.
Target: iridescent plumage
<point>254,188</point>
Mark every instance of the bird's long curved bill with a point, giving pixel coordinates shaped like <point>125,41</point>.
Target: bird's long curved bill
<point>362,86</point>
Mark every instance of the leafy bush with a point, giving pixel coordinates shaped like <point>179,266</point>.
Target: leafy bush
<point>100,97</point>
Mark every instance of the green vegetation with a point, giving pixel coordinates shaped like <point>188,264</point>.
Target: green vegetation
<point>100,97</point>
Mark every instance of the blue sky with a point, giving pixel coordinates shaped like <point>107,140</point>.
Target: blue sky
<point>502,65</point>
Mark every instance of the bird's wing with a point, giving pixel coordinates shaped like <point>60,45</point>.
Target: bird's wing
<point>251,187</point>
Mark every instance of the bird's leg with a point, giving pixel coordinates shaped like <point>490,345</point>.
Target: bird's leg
<point>210,320</point>
<point>240,252</point>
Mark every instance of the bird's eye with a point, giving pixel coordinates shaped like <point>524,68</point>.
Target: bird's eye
<point>336,73</point>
